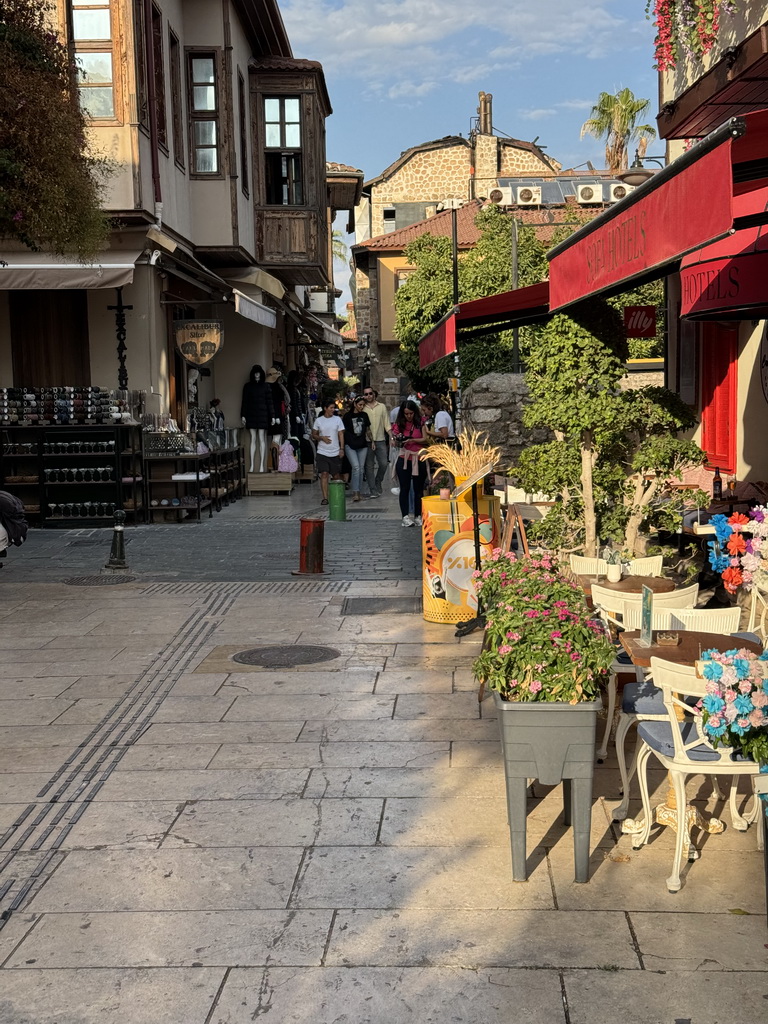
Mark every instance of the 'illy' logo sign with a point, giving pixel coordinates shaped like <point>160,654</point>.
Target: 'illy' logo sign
<point>640,321</point>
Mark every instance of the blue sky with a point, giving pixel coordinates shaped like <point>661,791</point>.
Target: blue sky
<point>402,72</point>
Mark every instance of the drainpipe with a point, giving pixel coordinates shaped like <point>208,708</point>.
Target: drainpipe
<point>149,51</point>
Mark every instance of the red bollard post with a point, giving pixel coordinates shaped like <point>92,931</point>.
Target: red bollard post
<point>311,548</point>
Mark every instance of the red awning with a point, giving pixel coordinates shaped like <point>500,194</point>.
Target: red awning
<point>494,313</point>
<point>691,202</point>
<point>728,280</point>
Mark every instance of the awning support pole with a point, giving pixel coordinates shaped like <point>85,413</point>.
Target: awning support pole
<point>515,282</point>
<point>121,334</point>
<point>455,269</point>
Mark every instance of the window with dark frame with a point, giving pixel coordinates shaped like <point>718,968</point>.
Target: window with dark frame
<point>157,54</point>
<point>92,37</point>
<point>283,157</point>
<point>203,114</point>
<point>142,90</point>
<point>243,114</point>
<point>177,113</point>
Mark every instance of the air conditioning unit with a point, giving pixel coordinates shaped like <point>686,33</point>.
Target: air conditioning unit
<point>618,192</point>
<point>501,196</point>
<point>528,195</point>
<point>588,195</point>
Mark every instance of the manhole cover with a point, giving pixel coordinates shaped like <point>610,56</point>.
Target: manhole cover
<point>285,657</point>
<point>380,605</point>
<point>98,581</point>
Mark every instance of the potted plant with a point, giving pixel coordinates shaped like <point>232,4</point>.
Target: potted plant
<point>613,570</point>
<point>544,657</point>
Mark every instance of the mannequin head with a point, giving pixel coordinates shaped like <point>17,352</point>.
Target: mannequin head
<point>257,374</point>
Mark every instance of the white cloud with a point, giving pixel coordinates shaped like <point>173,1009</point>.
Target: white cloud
<point>537,114</point>
<point>576,104</point>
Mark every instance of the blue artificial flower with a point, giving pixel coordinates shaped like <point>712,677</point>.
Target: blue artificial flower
<point>741,665</point>
<point>712,670</point>
<point>740,729</point>
<point>743,705</point>
<point>710,653</point>
<point>714,705</point>
<point>763,656</point>
<point>716,731</point>
<point>720,562</point>
<point>723,528</point>
<point>732,653</point>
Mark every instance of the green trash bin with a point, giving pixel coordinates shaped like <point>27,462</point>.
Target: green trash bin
<point>337,501</point>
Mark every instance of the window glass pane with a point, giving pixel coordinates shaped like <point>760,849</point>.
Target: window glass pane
<point>91,24</point>
<point>291,110</point>
<point>271,110</point>
<point>89,3</point>
<point>202,69</point>
<point>292,136</point>
<point>205,133</point>
<point>204,97</point>
<point>98,102</point>
<point>96,67</point>
<point>206,161</point>
<point>273,136</point>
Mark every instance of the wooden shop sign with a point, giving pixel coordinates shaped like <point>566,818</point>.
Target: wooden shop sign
<point>198,340</point>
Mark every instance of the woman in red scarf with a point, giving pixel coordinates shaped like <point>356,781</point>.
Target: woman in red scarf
<point>408,436</point>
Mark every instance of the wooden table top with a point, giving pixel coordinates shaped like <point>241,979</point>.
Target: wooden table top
<point>629,584</point>
<point>687,652</point>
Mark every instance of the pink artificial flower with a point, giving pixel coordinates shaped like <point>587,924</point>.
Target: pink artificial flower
<point>756,718</point>
<point>745,686</point>
<point>729,696</point>
<point>715,721</point>
<point>760,699</point>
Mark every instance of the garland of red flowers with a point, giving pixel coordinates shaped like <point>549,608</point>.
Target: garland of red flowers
<point>690,26</point>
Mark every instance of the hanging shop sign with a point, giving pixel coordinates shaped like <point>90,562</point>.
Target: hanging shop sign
<point>198,340</point>
<point>640,321</point>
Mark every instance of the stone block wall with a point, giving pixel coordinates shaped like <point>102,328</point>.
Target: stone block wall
<point>494,405</point>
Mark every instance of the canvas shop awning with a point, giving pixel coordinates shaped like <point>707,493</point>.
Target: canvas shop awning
<point>39,271</point>
<point>253,310</point>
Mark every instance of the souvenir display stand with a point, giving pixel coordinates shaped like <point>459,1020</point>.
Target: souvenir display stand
<point>175,484</point>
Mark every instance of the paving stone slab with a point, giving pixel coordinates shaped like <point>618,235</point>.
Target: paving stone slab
<point>193,709</point>
<point>337,995</point>
<point>289,682</point>
<point>476,939</point>
<point>126,825</point>
<point>403,680</point>
<point>481,754</point>
<point>108,996</point>
<point>443,705</point>
<point>105,686</point>
<point>288,822</point>
<point>427,878</point>
<point>678,942</point>
<point>639,997</point>
<point>38,711</point>
<point>87,711</point>
<point>40,736</point>
<point>246,784</point>
<point>22,688</point>
<point>222,732</point>
<point>160,757</point>
<point>290,708</point>
<point>418,730</point>
<point>339,755</point>
<point>253,878</point>
<point>405,782</point>
<point>217,938</point>
<point>22,788</point>
<point>201,684</point>
<point>11,934</point>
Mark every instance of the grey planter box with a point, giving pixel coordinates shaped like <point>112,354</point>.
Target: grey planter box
<point>552,743</point>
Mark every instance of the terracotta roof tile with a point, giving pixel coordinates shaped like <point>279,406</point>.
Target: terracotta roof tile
<point>284,64</point>
<point>440,225</point>
<point>333,167</point>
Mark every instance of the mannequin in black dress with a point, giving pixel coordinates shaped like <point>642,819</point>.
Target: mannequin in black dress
<point>257,414</point>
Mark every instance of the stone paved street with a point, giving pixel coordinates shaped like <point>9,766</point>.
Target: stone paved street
<point>188,839</point>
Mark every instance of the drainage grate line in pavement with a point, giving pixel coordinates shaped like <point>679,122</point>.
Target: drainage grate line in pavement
<point>244,589</point>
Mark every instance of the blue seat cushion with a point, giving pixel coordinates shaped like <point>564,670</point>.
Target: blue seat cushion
<point>642,699</point>
<point>747,636</point>
<point>658,736</point>
<point>622,657</point>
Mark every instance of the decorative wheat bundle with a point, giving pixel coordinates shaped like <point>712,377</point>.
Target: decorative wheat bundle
<point>475,453</point>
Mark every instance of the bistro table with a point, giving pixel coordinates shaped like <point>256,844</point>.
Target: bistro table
<point>629,584</point>
<point>687,652</point>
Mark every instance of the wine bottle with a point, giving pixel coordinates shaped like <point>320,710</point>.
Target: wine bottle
<point>717,485</point>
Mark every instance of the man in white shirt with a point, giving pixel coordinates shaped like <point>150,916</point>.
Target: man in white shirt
<point>328,433</point>
<point>378,458</point>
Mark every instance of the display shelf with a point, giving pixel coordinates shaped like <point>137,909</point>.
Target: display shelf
<point>159,471</point>
<point>36,453</point>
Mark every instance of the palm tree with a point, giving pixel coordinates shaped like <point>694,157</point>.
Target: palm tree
<point>614,118</point>
<point>339,246</point>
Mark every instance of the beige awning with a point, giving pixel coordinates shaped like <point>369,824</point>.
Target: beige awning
<point>252,310</point>
<point>40,271</point>
<point>258,278</point>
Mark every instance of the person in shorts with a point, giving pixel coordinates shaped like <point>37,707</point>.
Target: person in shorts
<point>328,433</point>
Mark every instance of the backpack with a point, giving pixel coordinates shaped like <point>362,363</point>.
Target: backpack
<point>13,519</point>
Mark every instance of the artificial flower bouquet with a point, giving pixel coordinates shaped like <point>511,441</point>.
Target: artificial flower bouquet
<point>542,643</point>
<point>740,548</point>
<point>735,708</point>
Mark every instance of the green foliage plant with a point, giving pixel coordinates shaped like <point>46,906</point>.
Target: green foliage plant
<point>542,643</point>
<point>50,185</point>
<point>614,118</point>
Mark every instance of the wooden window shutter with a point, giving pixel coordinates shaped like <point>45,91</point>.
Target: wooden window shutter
<point>719,381</point>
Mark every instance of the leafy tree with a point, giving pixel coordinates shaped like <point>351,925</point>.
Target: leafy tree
<point>613,451</point>
<point>651,294</point>
<point>485,270</point>
<point>50,187</point>
<point>614,118</point>
<point>339,248</point>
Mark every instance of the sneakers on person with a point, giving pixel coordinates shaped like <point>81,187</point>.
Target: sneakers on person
<point>417,520</point>
<point>407,521</point>
<point>373,494</point>
<point>395,490</point>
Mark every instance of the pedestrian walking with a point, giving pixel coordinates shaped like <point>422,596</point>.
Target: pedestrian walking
<point>411,471</point>
<point>438,424</point>
<point>328,432</point>
<point>357,442</point>
<point>378,455</point>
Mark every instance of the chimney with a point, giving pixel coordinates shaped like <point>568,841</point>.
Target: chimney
<point>485,110</point>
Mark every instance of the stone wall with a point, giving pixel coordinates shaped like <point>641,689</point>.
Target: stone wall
<point>494,405</point>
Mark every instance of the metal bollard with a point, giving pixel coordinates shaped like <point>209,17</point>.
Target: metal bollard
<point>311,548</point>
<point>116,561</point>
<point>337,501</point>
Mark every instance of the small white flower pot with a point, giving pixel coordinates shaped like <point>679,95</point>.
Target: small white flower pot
<point>613,573</point>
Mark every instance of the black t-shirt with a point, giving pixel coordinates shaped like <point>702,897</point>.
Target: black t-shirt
<point>355,426</point>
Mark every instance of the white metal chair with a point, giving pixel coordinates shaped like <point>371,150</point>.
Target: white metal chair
<point>683,597</point>
<point>708,620</point>
<point>758,612</point>
<point>650,566</point>
<point>683,749</point>
<point>588,566</point>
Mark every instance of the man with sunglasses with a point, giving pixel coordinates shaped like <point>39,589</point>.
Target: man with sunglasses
<point>377,462</point>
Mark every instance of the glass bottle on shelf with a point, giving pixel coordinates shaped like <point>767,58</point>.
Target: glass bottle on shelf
<point>717,485</point>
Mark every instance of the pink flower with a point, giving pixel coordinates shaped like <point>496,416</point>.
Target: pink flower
<point>575,656</point>
<point>745,686</point>
<point>555,634</point>
<point>729,696</point>
<point>531,613</point>
<point>516,636</point>
<point>756,718</point>
<point>760,699</point>
<point>535,686</point>
<point>714,721</point>
<point>505,649</point>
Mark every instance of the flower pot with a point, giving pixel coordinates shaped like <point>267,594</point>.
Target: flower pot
<point>551,742</point>
<point>613,573</point>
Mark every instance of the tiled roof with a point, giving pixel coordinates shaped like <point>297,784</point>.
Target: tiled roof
<point>440,224</point>
<point>333,167</point>
<point>285,64</point>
